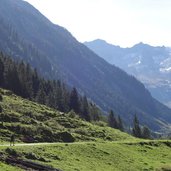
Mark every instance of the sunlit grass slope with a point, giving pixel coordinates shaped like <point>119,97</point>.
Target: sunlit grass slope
<point>32,122</point>
<point>98,156</point>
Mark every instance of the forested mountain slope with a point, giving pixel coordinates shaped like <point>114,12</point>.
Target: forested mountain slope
<point>26,34</point>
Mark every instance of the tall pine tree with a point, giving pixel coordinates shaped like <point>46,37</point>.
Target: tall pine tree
<point>112,121</point>
<point>120,124</point>
<point>74,101</point>
<point>146,133</point>
<point>86,112</point>
<point>1,72</point>
<point>136,131</point>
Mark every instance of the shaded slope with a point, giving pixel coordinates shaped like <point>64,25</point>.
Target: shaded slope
<point>108,86</point>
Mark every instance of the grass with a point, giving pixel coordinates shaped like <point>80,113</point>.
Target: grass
<point>5,167</point>
<point>98,156</point>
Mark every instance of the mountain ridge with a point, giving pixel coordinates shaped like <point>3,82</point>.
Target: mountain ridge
<point>151,65</point>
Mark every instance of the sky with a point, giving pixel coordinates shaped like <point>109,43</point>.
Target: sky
<point>120,22</point>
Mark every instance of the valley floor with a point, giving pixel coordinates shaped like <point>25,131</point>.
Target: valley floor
<point>91,156</point>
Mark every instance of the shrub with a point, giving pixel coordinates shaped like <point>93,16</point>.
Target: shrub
<point>31,156</point>
<point>66,137</point>
<point>72,114</point>
<point>11,152</point>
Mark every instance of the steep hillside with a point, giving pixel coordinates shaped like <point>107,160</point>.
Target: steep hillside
<point>151,65</point>
<point>66,58</point>
<point>32,122</point>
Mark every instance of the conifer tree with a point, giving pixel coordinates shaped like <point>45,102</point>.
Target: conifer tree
<point>74,101</point>
<point>146,133</point>
<point>94,112</point>
<point>66,98</point>
<point>120,124</point>
<point>136,128</point>
<point>85,112</point>
<point>1,72</point>
<point>35,82</point>
<point>112,122</point>
<point>41,96</point>
<point>12,81</point>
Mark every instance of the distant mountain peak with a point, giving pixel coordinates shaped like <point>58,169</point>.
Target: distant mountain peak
<point>97,41</point>
<point>101,42</point>
<point>141,45</point>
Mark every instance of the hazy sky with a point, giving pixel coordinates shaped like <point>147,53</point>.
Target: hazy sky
<point>120,22</point>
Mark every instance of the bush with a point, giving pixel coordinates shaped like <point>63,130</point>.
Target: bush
<point>72,114</point>
<point>31,156</point>
<point>11,152</point>
<point>100,123</point>
<point>66,137</point>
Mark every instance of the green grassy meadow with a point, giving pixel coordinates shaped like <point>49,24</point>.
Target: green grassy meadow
<point>99,156</point>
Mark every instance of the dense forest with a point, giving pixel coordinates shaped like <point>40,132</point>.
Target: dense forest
<point>25,82</point>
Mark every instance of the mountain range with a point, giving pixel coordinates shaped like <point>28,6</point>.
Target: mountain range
<point>151,65</point>
<point>25,34</point>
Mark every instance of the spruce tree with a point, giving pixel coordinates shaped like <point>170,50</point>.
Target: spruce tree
<point>120,124</point>
<point>112,122</point>
<point>12,81</point>
<point>66,98</point>
<point>1,72</point>
<point>85,112</point>
<point>74,101</point>
<point>136,128</point>
<point>94,112</point>
<point>36,82</point>
<point>146,133</point>
<point>41,96</point>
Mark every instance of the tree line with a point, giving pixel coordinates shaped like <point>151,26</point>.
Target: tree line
<point>26,82</point>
